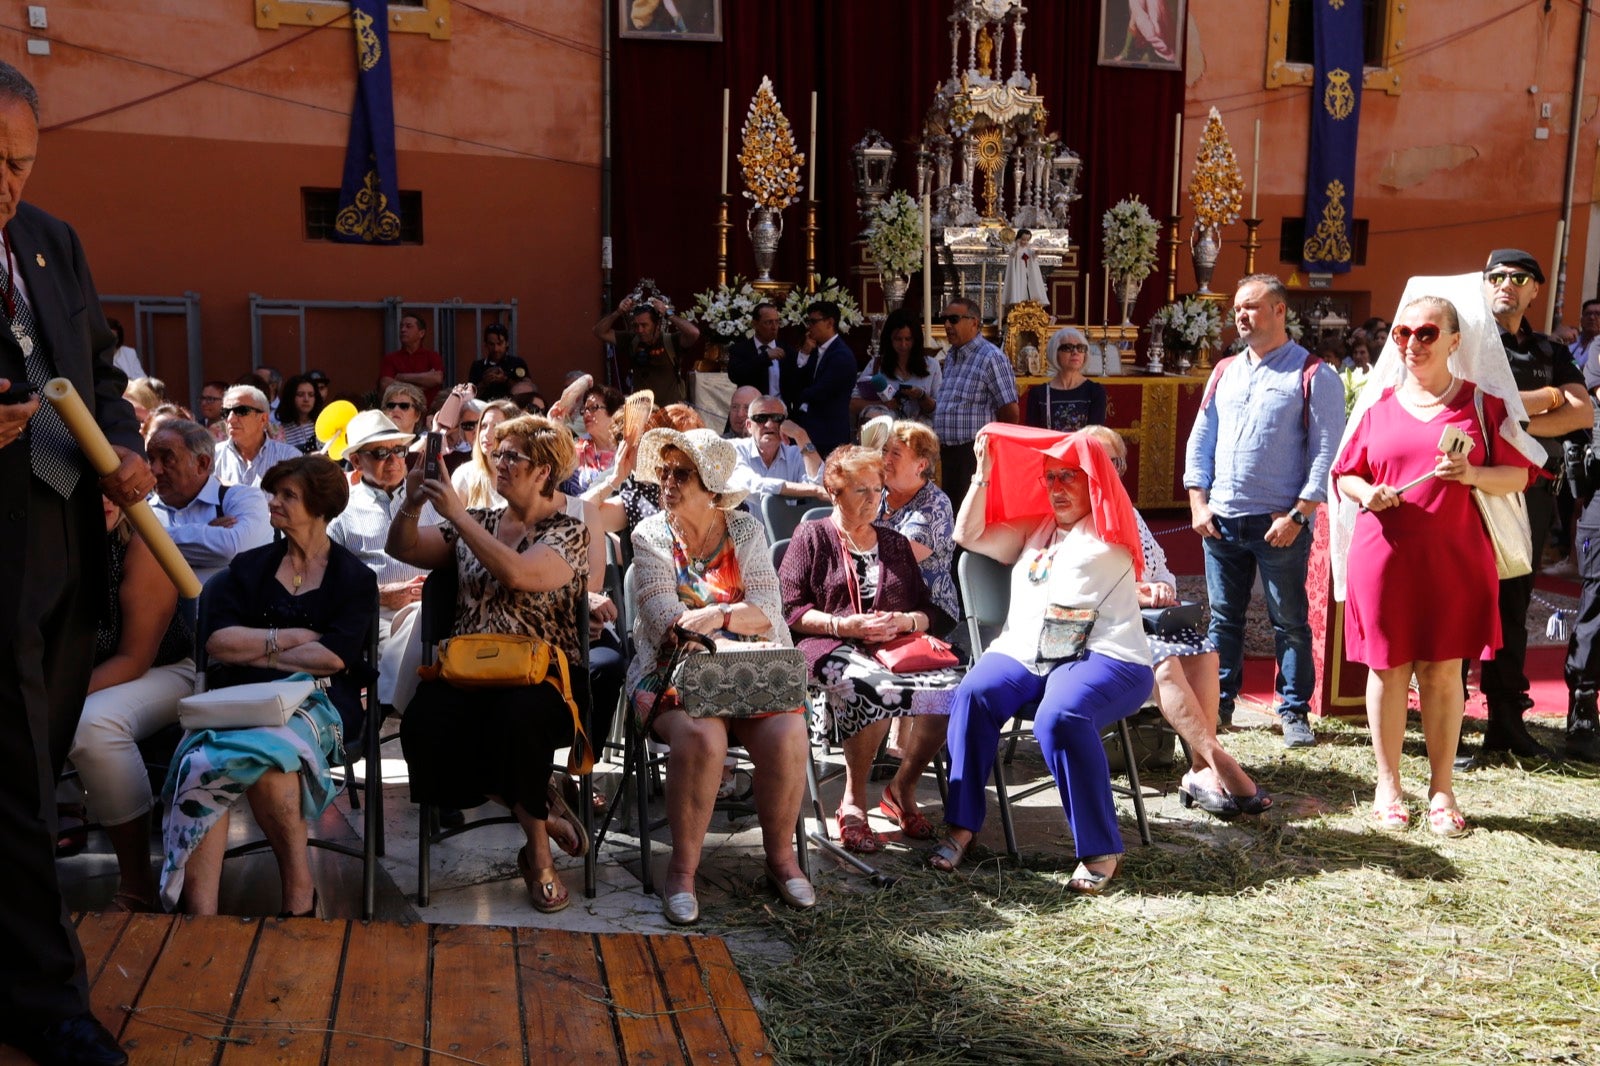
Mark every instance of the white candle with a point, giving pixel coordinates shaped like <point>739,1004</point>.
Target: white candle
<point>1105,294</point>
<point>1255,172</point>
<point>811,158</point>
<point>1177,161</point>
<point>724,142</point>
<point>927,269</point>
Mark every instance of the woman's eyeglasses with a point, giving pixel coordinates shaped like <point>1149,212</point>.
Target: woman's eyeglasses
<point>1424,334</point>
<point>501,458</point>
<point>469,427</point>
<point>1081,349</point>
<point>399,405</point>
<point>680,475</point>
<point>1052,478</point>
<point>594,408</point>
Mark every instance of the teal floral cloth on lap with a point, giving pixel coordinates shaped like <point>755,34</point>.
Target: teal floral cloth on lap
<point>214,768</point>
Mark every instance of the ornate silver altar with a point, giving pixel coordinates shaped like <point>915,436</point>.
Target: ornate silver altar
<point>992,165</point>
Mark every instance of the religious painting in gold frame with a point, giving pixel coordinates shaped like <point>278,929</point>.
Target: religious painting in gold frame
<point>1147,34</point>
<point>670,20</point>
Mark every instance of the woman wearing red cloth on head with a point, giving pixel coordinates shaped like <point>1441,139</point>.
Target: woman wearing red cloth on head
<point>1056,512</point>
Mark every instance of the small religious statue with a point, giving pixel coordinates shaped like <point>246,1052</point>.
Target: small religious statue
<point>1032,361</point>
<point>1023,280</point>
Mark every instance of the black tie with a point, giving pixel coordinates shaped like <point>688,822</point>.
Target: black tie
<point>53,453</point>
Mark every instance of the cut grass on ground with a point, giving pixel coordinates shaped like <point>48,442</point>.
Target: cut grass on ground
<point>1302,937</point>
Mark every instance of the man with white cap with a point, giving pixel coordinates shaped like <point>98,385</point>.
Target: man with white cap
<point>377,449</point>
<point>248,453</point>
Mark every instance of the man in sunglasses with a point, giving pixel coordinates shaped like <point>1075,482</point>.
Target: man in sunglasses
<point>978,387</point>
<point>1551,387</point>
<point>1256,469</point>
<point>377,449</point>
<point>248,453</point>
<point>777,458</point>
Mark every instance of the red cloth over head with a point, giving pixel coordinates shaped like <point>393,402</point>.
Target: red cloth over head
<point>1017,455</point>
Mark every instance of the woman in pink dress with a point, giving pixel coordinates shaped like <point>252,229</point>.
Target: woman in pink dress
<point>1422,586</point>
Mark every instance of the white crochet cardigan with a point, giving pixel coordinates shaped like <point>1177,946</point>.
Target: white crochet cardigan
<point>655,586</point>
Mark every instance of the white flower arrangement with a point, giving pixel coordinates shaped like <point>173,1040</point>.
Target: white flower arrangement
<point>726,310</point>
<point>1188,323</point>
<point>894,234</point>
<point>1292,323</point>
<point>768,160</point>
<point>794,308</point>
<point>1130,240</point>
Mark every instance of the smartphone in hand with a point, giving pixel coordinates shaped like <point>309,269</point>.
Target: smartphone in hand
<point>432,468</point>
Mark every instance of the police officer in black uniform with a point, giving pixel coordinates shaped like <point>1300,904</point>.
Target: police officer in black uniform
<point>1552,392</point>
<point>1583,644</point>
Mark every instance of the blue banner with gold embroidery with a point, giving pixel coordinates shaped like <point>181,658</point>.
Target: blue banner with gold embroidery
<point>1339,48</point>
<point>369,196</point>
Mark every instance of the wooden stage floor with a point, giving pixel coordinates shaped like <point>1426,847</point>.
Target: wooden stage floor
<point>245,990</point>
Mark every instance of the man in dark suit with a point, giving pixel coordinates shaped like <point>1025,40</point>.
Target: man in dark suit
<point>54,532</point>
<point>819,380</point>
<point>757,361</point>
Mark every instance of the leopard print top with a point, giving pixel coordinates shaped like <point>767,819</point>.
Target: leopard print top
<point>483,605</point>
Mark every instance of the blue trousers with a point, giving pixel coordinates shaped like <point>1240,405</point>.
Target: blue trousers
<point>1231,565</point>
<point>1076,702</point>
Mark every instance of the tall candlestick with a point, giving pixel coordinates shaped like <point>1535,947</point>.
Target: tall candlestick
<point>811,158</point>
<point>927,269</point>
<point>1177,161</point>
<point>724,142</point>
<point>1255,172</point>
<point>1105,299</point>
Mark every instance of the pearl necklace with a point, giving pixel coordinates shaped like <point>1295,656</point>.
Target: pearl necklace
<point>1434,399</point>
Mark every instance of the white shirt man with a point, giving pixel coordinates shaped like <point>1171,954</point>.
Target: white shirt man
<point>248,453</point>
<point>769,464</point>
<point>376,447</point>
<point>208,521</point>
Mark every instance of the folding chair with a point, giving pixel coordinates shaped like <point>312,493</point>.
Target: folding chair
<point>986,593</point>
<point>816,514</point>
<point>370,848</point>
<point>782,516</point>
<point>641,771</point>
<point>434,623</point>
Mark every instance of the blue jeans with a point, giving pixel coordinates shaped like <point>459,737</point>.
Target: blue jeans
<point>1231,565</point>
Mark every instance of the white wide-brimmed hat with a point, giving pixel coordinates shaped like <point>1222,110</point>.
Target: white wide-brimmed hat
<point>369,427</point>
<point>714,458</point>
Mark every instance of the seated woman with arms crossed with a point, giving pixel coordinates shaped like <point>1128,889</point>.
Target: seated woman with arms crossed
<point>301,605</point>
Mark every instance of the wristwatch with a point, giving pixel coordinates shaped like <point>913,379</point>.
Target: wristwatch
<point>1299,518</point>
<point>808,448</point>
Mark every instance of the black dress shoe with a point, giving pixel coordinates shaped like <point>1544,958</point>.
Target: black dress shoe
<point>76,1041</point>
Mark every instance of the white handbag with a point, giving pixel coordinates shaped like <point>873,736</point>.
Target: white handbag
<point>265,703</point>
<point>1505,517</point>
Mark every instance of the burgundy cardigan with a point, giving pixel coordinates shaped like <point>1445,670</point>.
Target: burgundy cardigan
<point>813,577</point>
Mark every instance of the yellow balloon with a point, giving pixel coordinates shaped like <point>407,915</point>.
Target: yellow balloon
<point>331,424</point>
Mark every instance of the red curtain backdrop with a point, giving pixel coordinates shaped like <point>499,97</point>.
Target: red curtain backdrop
<point>874,65</point>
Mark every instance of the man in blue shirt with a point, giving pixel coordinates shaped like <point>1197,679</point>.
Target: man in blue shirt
<point>1257,467</point>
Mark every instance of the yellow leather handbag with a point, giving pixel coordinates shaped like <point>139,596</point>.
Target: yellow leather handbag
<point>500,660</point>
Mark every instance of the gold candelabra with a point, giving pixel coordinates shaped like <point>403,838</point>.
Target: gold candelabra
<point>1252,244</point>
<point>722,239</point>
<point>1173,240</point>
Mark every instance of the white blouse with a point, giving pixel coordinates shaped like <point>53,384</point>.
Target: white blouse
<point>1074,569</point>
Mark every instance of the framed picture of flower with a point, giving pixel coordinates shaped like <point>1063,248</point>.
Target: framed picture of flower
<point>670,20</point>
<point>1142,33</point>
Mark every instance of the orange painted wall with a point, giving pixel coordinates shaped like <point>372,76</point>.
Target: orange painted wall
<point>1466,101</point>
<point>199,188</point>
